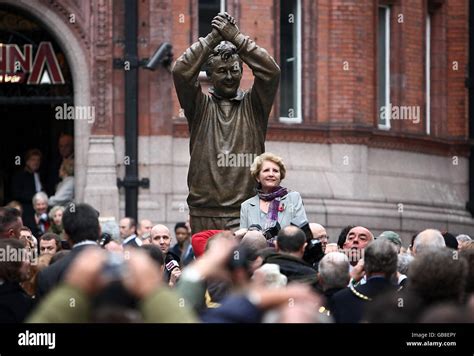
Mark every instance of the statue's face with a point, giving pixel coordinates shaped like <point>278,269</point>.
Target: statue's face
<point>226,77</point>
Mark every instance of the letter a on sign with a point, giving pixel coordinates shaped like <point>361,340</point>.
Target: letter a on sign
<point>46,59</point>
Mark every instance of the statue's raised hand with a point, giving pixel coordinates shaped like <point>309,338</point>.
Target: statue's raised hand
<point>225,24</point>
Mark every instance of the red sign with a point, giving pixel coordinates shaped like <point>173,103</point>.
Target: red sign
<point>18,66</point>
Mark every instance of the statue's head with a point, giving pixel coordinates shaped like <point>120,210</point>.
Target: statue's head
<point>224,69</point>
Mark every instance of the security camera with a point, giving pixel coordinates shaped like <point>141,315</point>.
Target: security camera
<point>162,55</point>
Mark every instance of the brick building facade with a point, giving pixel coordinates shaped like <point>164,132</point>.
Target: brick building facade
<point>349,166</point>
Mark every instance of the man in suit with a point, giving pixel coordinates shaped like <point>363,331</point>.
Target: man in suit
<point>82,229</point>
<point>128,234</point>
<point>26,183</point>
<point>183,248</point>
<point>380,264</point>
<point>356,241</point>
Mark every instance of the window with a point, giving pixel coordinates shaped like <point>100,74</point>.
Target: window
<point>383,57</point>
<point>428,73</point>
<point>207,10</point>
<point>290,61</point>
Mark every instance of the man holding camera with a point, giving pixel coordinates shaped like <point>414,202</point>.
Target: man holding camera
<point>226,123</point>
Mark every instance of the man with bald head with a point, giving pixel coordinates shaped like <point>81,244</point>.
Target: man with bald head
<point>356,241</point>
<point>428,238</point>
<point>254,242</point>
<point>320,234</point>
<point>161,237</point>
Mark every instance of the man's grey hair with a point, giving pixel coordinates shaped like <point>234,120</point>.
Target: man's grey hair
<point>381,257</point>
<point>404,260</point>
<point>428,238</point>
<point>334,270</point>
<point>110,227</point>
<point>436,276</point>
<point>463,238</point>
<point>40,196</point>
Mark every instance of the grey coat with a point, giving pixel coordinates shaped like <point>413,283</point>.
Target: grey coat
<point>293,211</point>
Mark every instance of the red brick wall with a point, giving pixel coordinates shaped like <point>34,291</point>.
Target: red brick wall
<point>182,26</point>
<point>118,75</point>
<point>334,32</point>
<point>439,69</point>
<point>350,68</point>
<point>457,46</point>
<point>257,20</point>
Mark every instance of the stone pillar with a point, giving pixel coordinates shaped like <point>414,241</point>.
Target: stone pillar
<point>101,189</point>
<point>101,178</point>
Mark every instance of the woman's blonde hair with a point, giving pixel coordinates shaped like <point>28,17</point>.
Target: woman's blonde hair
<point>256,166</point>
<point>68,166</point>
<point>54,210</point>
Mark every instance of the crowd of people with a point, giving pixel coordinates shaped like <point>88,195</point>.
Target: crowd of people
<point>38,188</point>
<point>276,267</point>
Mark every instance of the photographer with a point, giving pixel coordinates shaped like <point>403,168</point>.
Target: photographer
<point>290,246</point>
<point>91,273</point>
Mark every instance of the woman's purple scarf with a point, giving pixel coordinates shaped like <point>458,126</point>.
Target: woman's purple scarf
<point>274,197</point>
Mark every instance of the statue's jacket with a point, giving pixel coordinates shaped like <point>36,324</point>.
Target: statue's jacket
<point>222,146</point>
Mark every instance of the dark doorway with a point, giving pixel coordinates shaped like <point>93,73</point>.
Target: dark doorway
<point>25,127</point>
<point>28,107</point>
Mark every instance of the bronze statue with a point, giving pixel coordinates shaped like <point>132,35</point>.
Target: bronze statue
<point>228,126</point>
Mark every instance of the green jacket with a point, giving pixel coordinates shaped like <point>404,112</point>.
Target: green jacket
<point>68,304</point>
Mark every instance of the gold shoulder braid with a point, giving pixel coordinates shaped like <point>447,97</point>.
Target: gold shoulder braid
<point>358,294</point>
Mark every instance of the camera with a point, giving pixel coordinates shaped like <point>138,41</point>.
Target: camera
<point>268,233</point>
<point>313,252</point>
<point>272,232</point>
<point>162,55</point>
<point>104,239</point>
<point>114,268</point>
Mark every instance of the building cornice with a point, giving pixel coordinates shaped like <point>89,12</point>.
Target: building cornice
<point>338,134</point>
